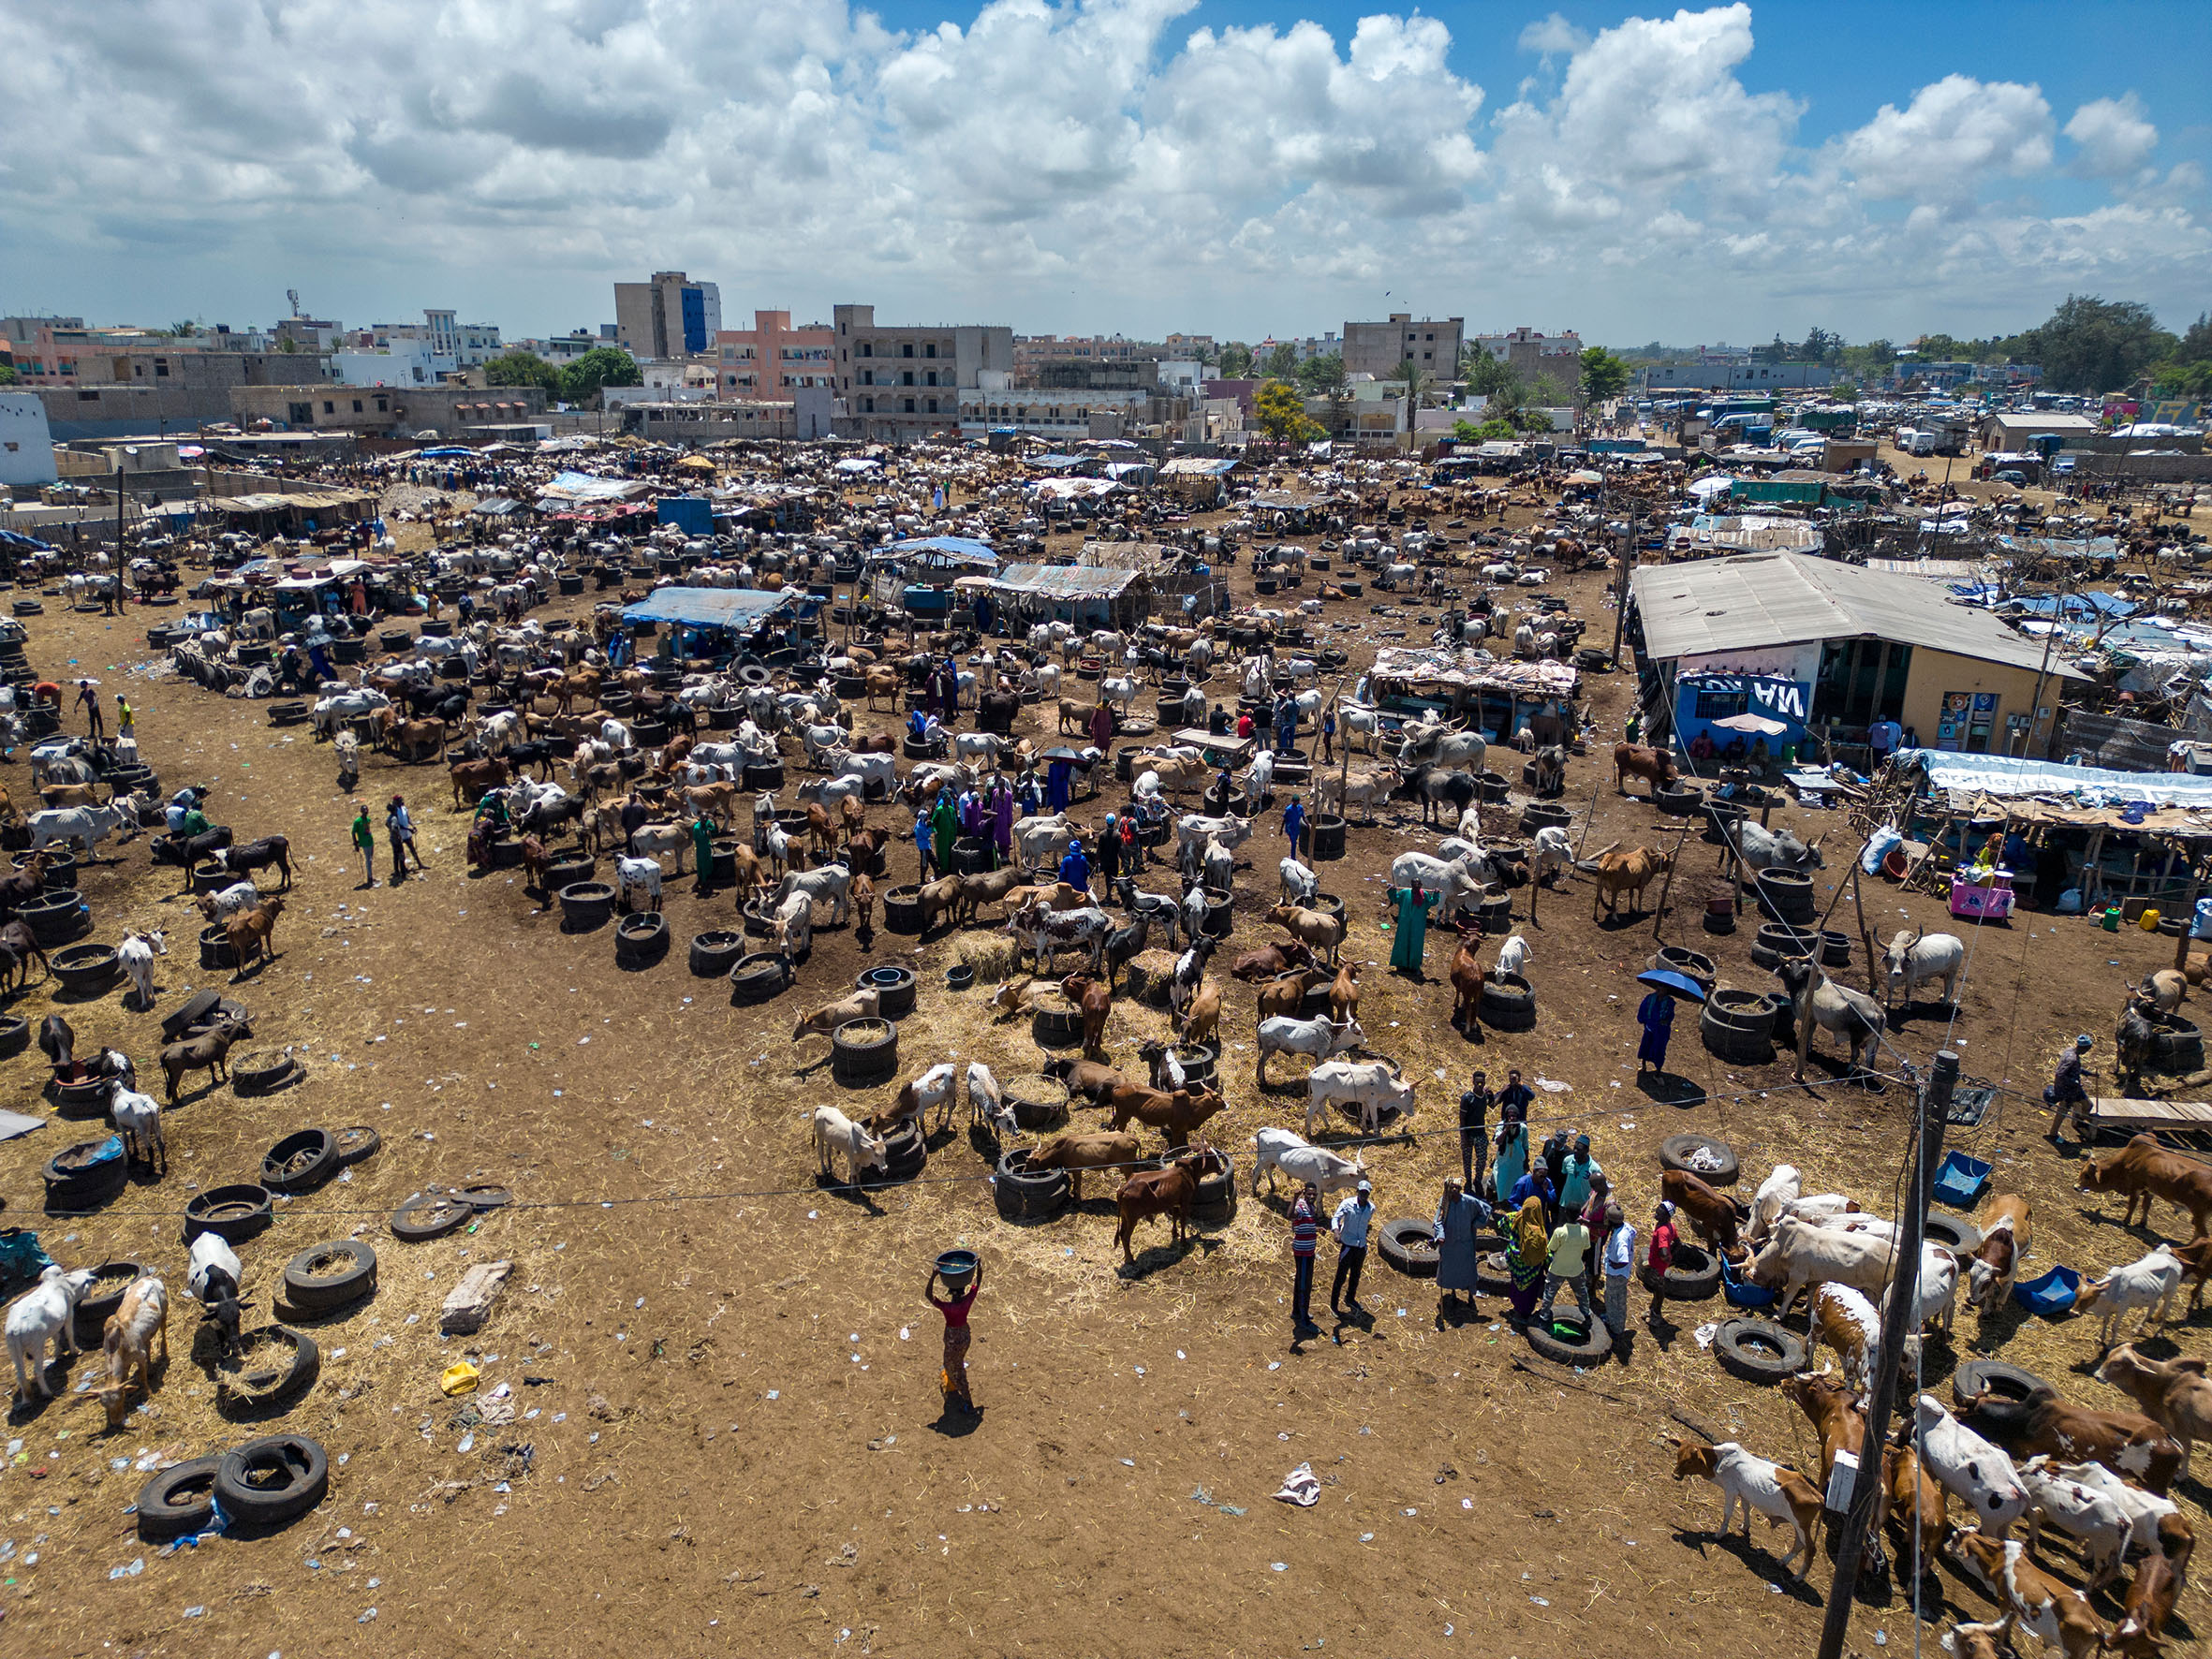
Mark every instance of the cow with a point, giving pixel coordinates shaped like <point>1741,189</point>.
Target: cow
<point>1304,1163</point>
<point>1970,1469</point>
<point>82,827</point>
<point>1710,1216</point>
<point>937,1086</point>
<point>1300,885</point>
<point>1782,1496</point>
<point>639,875</point>
<point>1850,1015</point>
<point>259,855</point>
<point>831,884</point>
<point>1847,1322</point>
<point>1433,786</point>
<point>2162,991</point>
<point>2131,1040</point>
<point>1176,1116</point>
<point>2144,1170</point>
<point>1076,1153</point>
<point>835,1133</point>
<point>1093,999</point>
<point>2099,1524</point>
<point>471,779</point>
<point>2152,1593</point>
<point>1371,1084</point>
<point>1160,907</point>
<point>822,1021</point>
<point>2127,1443</point>
<point>1444,747</point>
<point>208,1053</point>
<point>1914,958</point>
<point>1765,849</point>
<point>2052,1608</point>
<point>1270,962</point>
<point>1628,873</point>
<point>1050,932</point>
<point>1466,989</point>
<point>136,955</point>
<point>986,1104</point>
<point>1168,1192</point>
<point>1838,1420</point>
<point>1317,1039</point>
<point>1316,929</point>
<point>1656,766</point>
<point>252,934</point>
<point>2173,1393</point>
<point>1551,771</point>
<point>46,1314</point>
<point>1782,1186</point>
<point>1554,852</point>
<point>2007,1235</point>
<point>1799,1255</point>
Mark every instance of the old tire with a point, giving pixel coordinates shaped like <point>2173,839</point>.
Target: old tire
<point>292,1360</point>
<point>86,970</point>
<point>1408,1244</point>
<point>759,977</point>
<point>178,1499</point>
<point>1214,1201</point>
<point>1507,1002</point>
<point>93,1311</point>
<point>905,1154</point>
<point>1676,1149</point>
<point>1737,1026</point>
<point>1695,1275</point>
<point>587,904</point>
<point>431,1216</point>
<point>640,940</point>
<point>1779,941</point>
<point>263,1072</point>
<point>1974,1377</point>
<point>329,1275</point>
<point>356,1142</point>
<point>713,954</point>
<point>894,988</point>
<point>1758,1350</point>
<point>271,1481</point>
<point>301,1162</point>
<point>1023,1196</point>
<point>1787,895</point>
<point>232,1214</point>
<point>1593,1349</point>
<point>864,1052</point>
<point>902,909</point>
<point>1956,1233</point>
<point>1492,1276</point>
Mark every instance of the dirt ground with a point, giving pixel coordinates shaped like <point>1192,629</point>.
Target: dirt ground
<point>734,1442</point>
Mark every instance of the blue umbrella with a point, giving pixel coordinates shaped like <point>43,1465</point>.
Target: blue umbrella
<point>1674,984</point>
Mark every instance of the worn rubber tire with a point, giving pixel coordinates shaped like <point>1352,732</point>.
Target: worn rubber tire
<point>1677,1147</point>
<point>1956,1233</point>
<point>1685,1283</point>
<point>2006,1382</point>
<point>233,1214</point>
<point>177,1501</point>
<point>356,1142</point>
<point>1492,1277</point>
<point>714,953</point>
<point>311,1292</point>
<point>262,1073</point>
<point>1507,1004</point>
<point>483,1196</point>
<point>1023,1196</point>
<point>273,1385</point>
<point>864,1052</point>
<point>1595,1348</point>
<point>313,1154</point>
<point>248,1480</point>
<point>1408,1245</point>
<point>93,1311</point>
<point>641,939</point>
<point>1758,1350</point>
<point>431,1216</point>
<point>201,1005</point>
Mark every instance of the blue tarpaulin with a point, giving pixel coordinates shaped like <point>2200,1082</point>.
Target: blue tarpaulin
<point>942,550</point>
<point>709,608</point>
<point>25,544</point>
<point>692,514</point>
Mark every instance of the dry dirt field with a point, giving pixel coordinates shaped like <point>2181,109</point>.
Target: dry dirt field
<point>730,1438</point>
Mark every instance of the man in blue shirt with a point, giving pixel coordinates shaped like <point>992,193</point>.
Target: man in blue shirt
<point>1349,1225</point>
<point>1075,869</point>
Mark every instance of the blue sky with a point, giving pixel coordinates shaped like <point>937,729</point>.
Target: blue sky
<point>1226,166</point>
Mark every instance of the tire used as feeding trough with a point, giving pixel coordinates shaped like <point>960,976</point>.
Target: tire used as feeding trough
<point>713,954</point>
<point>1713,1162</point>
<point>894,988</point>
<point>1758,1350</point>
<point>641,939</point>
<point>1408,1245</point>
<point>301,1162</point>
<point>332,1275</point>
<point>587,904</point>
<point>1737,1026</point>
<point>902,909</point>
<point>759,977</point>
<point>233,1214</point>
<point>864,1052</point>
<point>1507,1001</point>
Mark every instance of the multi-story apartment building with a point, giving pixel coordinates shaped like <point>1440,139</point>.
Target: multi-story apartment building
<point>770,360</point>
<point>1432,344</point>
<point>1531,353</point>
<point>670,316</point>
<point>901,384</point>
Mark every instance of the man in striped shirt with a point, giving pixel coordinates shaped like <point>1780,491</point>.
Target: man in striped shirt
<point>1304,1230</point>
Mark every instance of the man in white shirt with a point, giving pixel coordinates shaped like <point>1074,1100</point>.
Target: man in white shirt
<point>1620,1262</point>
<point>1882,736</point>
<point>1349,1225</point>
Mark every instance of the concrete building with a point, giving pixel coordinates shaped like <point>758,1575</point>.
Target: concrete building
<point>26,441</point>
<point>670,316</point>
<point>1811,641</point>
<point>1432,345</point>
<point>1532,352</point>
<point>772,360</point>
<point>146,391</point>
<point>1736,376</point>
<point>449,411</point>
<point>901,384</point>
<point>1071,413</point>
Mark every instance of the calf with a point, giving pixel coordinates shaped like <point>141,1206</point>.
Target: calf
<point>1782,1496</point>
<point>135,956</point>
<point>137,1119</point>
<point>2152,1593</point>
<point>2125,1442</point>
<point>2144,1170</point>
<point>1279,1149</point>
<point>1836,1416</point>
<point>129,1340</point>
<point>1916,1506</point>
<point>1466,989</point>
<point>1176,1116</point>
<point>2176,1394</point>
<point>1782,1187</point>
<point>2099,1524</point>
<point>1711,1216</point>
<point>2052,1608</point>
<point>47,1313</point>
<point>252,935</point>
<point>1512,959</point>
<point>1281,998</point>
<point>1848,1323</point>
<point>1656,766</point>
<point>2148,1285</point>
<point>208,1052</point>
<point>1168,1192</point>
<point>1629,872</point>
<point>2006,1236</point>
<point>936,1087</point>
<point>1269,961</point>
<point>211,1279</point>
<point>1970,1469</point>
<point>986,1104</point>
<point>861,1005</point>
<point>1076,1153</point>
<point>835,1133</point>
<point>1202,1014</point>
<point>639,875</point>
<point>1315,929</point>
<point>1092,1001</point>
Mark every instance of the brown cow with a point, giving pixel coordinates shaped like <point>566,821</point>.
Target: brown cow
<point>1656,766</point>
<point>861,1005</point>
<point>208,1053</point>
<point>1629,872</point>
<point>1315,928</point>
<point>1096,1084</point>
<point>1202,1017</point>
<point>2151,1593</point>
<point>1910,1491</point>
<point>939,899</point>
<point>1077,1152</point>
<point>1283,996</point>
<point>251,934</point>
<point>2048,1606</point>
<point>821,828</point>
<point>1832,1408</point>
<point>1713,1216</point>
<point>863,896</point>
<point>1344,993</point>
<point>1168,1192</point>
<point>2196,1266</point>
<point>2131,1446</point>
<point>1467,987</point>
<point>2173,1393</point>
<point>979,890</point>
<point>1174,1116</point>
<point>1092,1001</point>
<point>472,778</point>
<point>1270,961</point>
<point>537,865</point>
<point>852,817</point>
<point>2144,1170</point>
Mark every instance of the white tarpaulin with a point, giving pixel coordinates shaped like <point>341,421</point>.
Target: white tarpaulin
<point>2002,775</point>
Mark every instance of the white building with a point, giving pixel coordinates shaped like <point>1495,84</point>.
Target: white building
<point>26,443</point>
<point>405,362</point>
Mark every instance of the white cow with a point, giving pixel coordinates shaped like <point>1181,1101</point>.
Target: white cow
<point>137,1119</point>
<point>872,770</point>
<point>835,1133</point>
<point>1317,1039</point>
<point>1970,1469</point>
<point>1776,1193</point>
<point>1914,958</point>
<point>1454,880</point>
<point>1373,1084</point>
<point>831,884</point>
<point>638,875</point>
<point>986,1105</point>
<point>2145,1285</point>
<point>1555,850</point>
<point>793,922</point>
<point>1801,1255</point>
<point>1300,883</point>
<point>1043,840</point>
<point>136,954</point>
<point>45,1314</point>
<point>1278,1148</point>
<point>84,826</point>
<point>2145,1511</point>
<point>2098,1523</point>
<point>1513,958</point>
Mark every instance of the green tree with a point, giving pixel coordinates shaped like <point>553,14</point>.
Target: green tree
<point>1490,432</point>
<point>1604,376</point>
<point>2196,340</point>
<point>1486,375</point>
<point>1821,345</point>
<point>1282,363</point>
<point>2091,344</point>
<point>1282,415</point>
<point>603,365</point>
<point>184,330</point>
<point>521,368</point>
<point>1321,376</point>
<point>1237,361</point>
<point>7,373</point>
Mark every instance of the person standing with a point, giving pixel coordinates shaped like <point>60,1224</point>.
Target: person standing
<point>1620,1261</point>
<point>702,850</point>
<point>127,718</point>
<point>1305,1229</point>
<point>1660,1258</point>
<point>1526,1240</point>
<point>944,829</point>
<point>922,843</point>
<point>95,719</point>
<point>401,829</point>
<point>1329,734</point>
<point>2065,1093</point>
<point>1294,825</point>
<point>365,838</point>
<point>1101,725</point>
<point>1656,1015</point>
<point>957,1337</point>
<point>1512,1158</point>
<point>1349,1224</point>
<point>1002,818</point>
<point>1109,854</point>
<point>1412,906</point>
<point>1578,1170</point>
<point>1075,867</point>
<point>1474,1111</point>
<point>1459,1216</point>
<point>1570,1253</point>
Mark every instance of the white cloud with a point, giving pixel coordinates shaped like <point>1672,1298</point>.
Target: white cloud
<point>1954,134</point>
<point>2112,136</point>
<point>1061,166</point>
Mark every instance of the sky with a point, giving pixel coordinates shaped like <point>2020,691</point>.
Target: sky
<point>1239,168</point>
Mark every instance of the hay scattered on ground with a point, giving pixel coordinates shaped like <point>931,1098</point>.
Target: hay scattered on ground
<point>992,955</point>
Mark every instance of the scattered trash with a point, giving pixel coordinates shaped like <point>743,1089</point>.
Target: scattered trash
<point>1300,1487</point>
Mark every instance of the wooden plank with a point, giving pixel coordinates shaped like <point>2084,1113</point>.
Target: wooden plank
<point>2121,1113</point>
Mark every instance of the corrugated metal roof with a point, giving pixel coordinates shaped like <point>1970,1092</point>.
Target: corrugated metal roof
<point>1204,466</point>
<point>1475,669</point>
<point>709,608</point>
<point>1752,600</point>
<point>1064,581</point>
<point>938,551</point>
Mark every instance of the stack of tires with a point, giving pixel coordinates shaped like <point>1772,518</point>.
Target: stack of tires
<point>1507,1001</point>
<point>329,1276</point>
<point>1738,1026</point>
<point>1024,1197</point>
<point>264,1483</point>
<point>1787,896</point>
<point>864,1052</point>
<point>905,1154</point>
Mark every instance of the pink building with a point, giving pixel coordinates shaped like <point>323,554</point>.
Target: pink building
<point>767,360</point>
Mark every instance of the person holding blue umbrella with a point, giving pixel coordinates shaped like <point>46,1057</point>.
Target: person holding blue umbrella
<point>1656,1015</point>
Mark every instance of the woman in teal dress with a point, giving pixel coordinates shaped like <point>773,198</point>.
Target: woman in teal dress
<point>1412,906</point>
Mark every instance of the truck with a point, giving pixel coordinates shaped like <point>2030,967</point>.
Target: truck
<point>1916,440</point>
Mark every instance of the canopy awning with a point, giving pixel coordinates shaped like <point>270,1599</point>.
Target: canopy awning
<point>709,608</point>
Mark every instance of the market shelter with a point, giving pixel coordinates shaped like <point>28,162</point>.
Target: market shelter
<point>1831,648</point>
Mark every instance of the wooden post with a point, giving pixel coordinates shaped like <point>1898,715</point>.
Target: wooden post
<point>1874,987</point>
<point>1667,886</point>
<point>2189,916</point>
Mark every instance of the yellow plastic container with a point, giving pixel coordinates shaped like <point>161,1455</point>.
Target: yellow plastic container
<point>2149,921</point>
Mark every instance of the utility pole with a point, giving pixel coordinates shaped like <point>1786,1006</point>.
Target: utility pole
<point>1935,1110</point>
<point>2035,703</point>
<point>1620,596</point>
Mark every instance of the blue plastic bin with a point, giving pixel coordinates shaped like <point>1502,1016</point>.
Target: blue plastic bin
<point>2051,1295</point>
<point>1740,1294</point>
<point>1961,1180</point>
